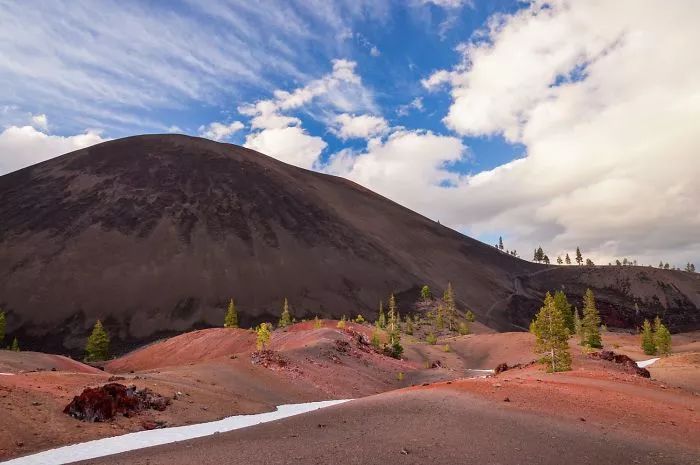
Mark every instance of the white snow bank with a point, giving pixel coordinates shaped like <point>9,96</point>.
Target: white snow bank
<point>7,374</point>
<point>139,440</point>
<point>646,363</point>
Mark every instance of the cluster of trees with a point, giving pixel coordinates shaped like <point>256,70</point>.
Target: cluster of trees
<point>541,257</point>
<point>3,326</point>
<point>555,323</point>
<point>500,247</point>
<point>656,340</point>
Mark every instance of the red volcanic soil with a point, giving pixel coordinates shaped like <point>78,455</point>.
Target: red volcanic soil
<point>187,348</point>
<point>18,362</point>
<point>560,419</point>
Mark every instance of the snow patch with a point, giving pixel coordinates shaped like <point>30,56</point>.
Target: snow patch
<point>7,374</point>
<point>646,363</point>
<point>139,440</point>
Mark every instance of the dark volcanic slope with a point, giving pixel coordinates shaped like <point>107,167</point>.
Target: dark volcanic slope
<point>155,233</point>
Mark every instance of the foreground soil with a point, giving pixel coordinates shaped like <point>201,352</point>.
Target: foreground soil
<point>445,424</point>
<point>215,373</point>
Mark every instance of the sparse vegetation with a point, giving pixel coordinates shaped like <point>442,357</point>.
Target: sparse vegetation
<point>408,326</point>
<point>341,324</point>
<point>97,347</point>
<point>470,317</point>
<point>359,319</point>
<point>317,322</point>
<point>376,340</point>
<point>551,333</point>
<point>590,325</point>
<point>15,345</point>
<point>263,335</point>
<point>648,344</point>
<point>231,318</point>
<point>2,326</point>
<point>431,339</point>
<point>446,348</point>
<point>286,316</point>
<point>463,328</point>
<point>381,319</point>
<point>450,307</point>
<point>425,294</point>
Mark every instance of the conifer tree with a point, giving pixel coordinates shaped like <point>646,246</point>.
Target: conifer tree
<point>667,266</point>
<point>431,339</point>
<point>382,318</point>
<point>463,328</point>
<point>590,325</point>
<point>409,325</point>
<point>567,260</point>
<point>395,349</point>
<point>376,340</point>
<point>359,319</point>
<point>97,347</point>
<point>552,336</point>
<point>661,264</point>
<point>317,323</point>
<point>2,325</point>
<point>648,344</point>
<point>662,337</point>
<point>231,319</point>
<point>579,257</point>
<point>285,316</point>
<point>450,307</point>
<point>559,260</point>
<point>470,316</point>
<point>15,345</point>
<point>577,323</point>
<point>341,323</point>
<point>440,320</point>
<point>500,243</point>
<point>564,307</point>
<point>425,293</point>
<point>263,335</point>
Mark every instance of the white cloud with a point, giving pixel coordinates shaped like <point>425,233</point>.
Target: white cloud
<point>604,96</point>
<point>40,122</point>
<point>220,131</point>
<point>415,104</point>
<point>347,126</point>
<point>450,4</point>
<point>292,145</point>
<point>24,146</point>
<point>374,51</point>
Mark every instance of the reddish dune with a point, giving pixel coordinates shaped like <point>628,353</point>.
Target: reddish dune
<point>17,362</point>
<point>196,346</point>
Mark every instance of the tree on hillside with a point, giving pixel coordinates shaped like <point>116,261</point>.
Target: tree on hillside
<point>539,255</point>
<point>579,257</point>
<point>409,325</point>
<point>3,325</point>
<point>341,324</point>
<point>317,323</point>
<point>500,243</point>
<point>469,316</point>
<point>662,337</point>
<point>690,267</point>
<point>666,266</point>
<point>567,260</point>
<point>231,318</point>
<point>395,349</point>
<point>590,325</point>
<point>577,323</point>
<point>589,262</point>
<point>263,335</point>
<point>425,293</point>
<point>546,259</point>
<point>661,264</point>
<point>285,316</point>
<point>450,307</point>
<point>551,336</point>
<point>559,260</point>
<point>648,344</point>
<point>97,347</point>
<point>15,345</point>
<point>564,307</point>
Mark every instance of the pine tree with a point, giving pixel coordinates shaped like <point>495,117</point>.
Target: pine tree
<point>579,257</point>
<point>450,307</point>
<point>439,320</point>
<point>648,343</point>
<point>425,293</point>
<point>15,345</point>
<point>589,262</point>
<point>463,328</point>
<point>662,337</point>
<point>341,323</point>
<point>382,318</point>
<point>431,339</point>
<point>285,316</point>
<point>470,316</point>
<point>500,243</point>
<point>317,323</point>
<point>2,325</point>
<point>376,340</point>
<point>577,323</point>
<point>563,305</point>
<point>97,347</point>
<point>263,335</point>
<point>231,318</point>
<point>409,325</point>
<point>395,348</point>
<point>661,264</point>
<point>559,260</point>
<point>666,266</point>
<point>590,325</point>
<point>552,336</point>
<point>567,260</point>
<point>359,319</point>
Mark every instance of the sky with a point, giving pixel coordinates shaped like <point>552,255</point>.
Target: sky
<point>554,123</point>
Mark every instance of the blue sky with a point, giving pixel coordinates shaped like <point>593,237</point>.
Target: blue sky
<point>499,118</point>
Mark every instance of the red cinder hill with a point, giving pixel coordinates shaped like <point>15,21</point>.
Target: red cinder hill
<point>153,234</point>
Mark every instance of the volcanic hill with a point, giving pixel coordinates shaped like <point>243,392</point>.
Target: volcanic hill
<point>153,234</point>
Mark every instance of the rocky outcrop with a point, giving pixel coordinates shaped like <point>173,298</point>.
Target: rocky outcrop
<point>105,402</point>
<point>629,364</point>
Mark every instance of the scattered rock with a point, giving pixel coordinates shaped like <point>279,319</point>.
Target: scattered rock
<point>507,399</point>
<point>404,451</point>
<point>36,404</point>
<point>112,379</point>
<point>623,360</point>
<point>153,424</point>
<point>105,402</point>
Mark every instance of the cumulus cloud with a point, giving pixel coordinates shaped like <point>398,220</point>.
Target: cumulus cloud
<point>24,146</point>
<point>281,135</point>
<point>291,144</point>
<point>347,126</point>
<point>40,122</point>
<point>604,96</point>
<point>220,131</point>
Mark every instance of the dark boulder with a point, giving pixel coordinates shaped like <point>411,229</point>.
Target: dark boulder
<point>623,360</point>
<point>105,402</point>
